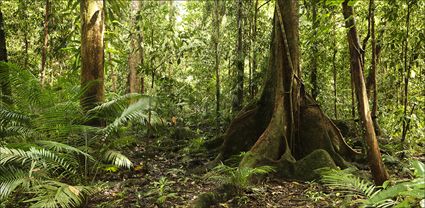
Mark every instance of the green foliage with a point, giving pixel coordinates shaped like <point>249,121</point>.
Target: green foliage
<point>118,159</point>
<point>401,194</point>
<point>239,177</point>
<point>161,190</point>
<point>38,172</point>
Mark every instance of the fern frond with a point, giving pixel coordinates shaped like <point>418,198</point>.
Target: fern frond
<point>7,116</point>
<point>61,147</point>
<point>134,112</point>
<point>347,182</point>
<point>46,158</point>
<point>114,107</point>
<point>237,176</point>
<point>52,161</point>
<point>118,159</point>
<point>9,155</point>
<point>12,178</point>
<point>54,194</point>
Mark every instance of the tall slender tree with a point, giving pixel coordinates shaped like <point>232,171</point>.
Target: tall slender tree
<point>45,43</point>
<point>238,87</point>
<point>135,58</point>
<point>314,51</point>
<point>92,55</point>
<point>406,73</point>
<point>374,156</point>
<point>216,42</point>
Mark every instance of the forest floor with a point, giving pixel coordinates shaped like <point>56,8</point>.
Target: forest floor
<point>164,176</point>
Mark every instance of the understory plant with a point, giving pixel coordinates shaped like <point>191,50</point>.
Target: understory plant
<point>47,154</point>
<point>42,175</point>
<point>239,177</point>
<point>401,193</point>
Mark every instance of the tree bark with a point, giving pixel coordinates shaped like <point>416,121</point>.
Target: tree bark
<point>374,156</point>
<point>314,53</point>
<point>238,87</point>
<point>6,89</point>
<point>373,70</point>
<point>334,67</point>
<point>216,41</point>
<point>406,73</point>
<point>252,85</point>
<point>92,55</point>
<point>285,127</point>
<point>45,43</point>
<point>135,57</point>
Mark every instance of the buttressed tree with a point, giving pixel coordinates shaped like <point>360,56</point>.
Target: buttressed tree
<point>92,54</point>
<point>285,127</point>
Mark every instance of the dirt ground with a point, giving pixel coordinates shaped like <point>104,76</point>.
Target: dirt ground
<point>164,176</point>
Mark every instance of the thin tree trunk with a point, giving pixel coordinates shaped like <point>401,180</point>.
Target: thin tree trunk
<point>6,89</point>
<point>92,55</point>
<point>45,43</point>
<point>374,156</point>
<point>314,51</point>
<point>238,89</point>
<point>353,97</point>
<point>112,71</point>
<point>254,52</point>
<point>373,70</point>
<point>335,51</point>
<point>216,41</point>
<point>134,56</point>
<point>406,74</point>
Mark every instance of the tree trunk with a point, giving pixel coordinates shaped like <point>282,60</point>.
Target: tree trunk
<point>285,127</point>
<point>45,42</point>
<point>6,89</point>
<point>406,73</point>
<point>314,52</point>
<point>252,84</point>
<point>92,55</point>
<point>373,70</point>
<point>335,51</point>
<point>216,40</point>
<point>134,58</point>
<point>375,161</point>
<point>238,88</point>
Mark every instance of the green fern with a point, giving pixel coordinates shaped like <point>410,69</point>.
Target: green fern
<point>134,112</point>
<point>372,196</point>
<point>53,194</point>
<point>12,178</point>
<point>117,159</point>
<point>237,176</point>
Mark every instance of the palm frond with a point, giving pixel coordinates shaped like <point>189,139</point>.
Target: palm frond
<point>53,194</point>
<point>114,107</point>
<point>45,158</point>
<point>118,159</point>
<point>12,178</point>
<point>8,116</point>
<point>61,147</point>
<point>134,112</point>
